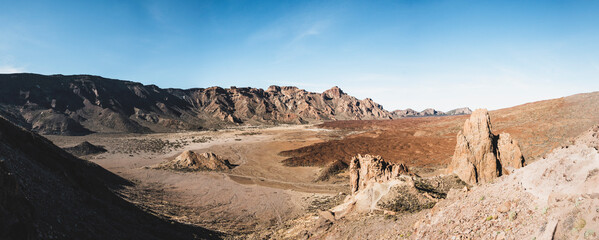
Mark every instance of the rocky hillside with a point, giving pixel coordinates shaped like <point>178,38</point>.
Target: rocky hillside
<point>553,198</point>
<point>81,104</point>
<point>429,112</point>
<point>47,193</point>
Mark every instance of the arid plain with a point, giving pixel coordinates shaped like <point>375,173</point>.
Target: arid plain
<point>274,182</point>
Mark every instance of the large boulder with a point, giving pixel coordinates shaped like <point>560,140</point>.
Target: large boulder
<point>480,156</point>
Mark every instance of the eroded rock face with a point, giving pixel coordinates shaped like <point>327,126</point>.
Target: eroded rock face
<point>364,169</point>
<point>480,156</point>
<point>509,153</point>
<point>191,161</point>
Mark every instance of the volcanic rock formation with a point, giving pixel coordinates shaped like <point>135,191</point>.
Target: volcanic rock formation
<point>191,161</point>
<point>480,156</point>
<point>81,104</point>
<point>379,185</point>
<point>555,197</point>
<point>367,168</point>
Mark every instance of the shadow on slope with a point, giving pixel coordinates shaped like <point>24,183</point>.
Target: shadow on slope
<point>47,193</point>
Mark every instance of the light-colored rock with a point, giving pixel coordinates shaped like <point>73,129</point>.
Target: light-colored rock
<point>504,207</point>
<point>480,156</point>
<point>189,160</point>
<point>372,168</point>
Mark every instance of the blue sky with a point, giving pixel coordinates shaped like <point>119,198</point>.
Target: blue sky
<point>417,54</point>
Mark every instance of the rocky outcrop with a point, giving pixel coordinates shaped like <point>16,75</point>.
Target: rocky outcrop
<point>191,161</point>
<point>429,112</point>
<point>564,182</point>
<point>81,104</point>
<point>377,185</point>
<point>367,168</point>
<point>480,156</point>
<point>85,148</point>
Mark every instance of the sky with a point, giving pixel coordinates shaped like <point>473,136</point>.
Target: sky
<point>402,54</point>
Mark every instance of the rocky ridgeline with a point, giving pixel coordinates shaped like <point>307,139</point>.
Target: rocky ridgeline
<point>191,161</point>
<point>429,112</point>
<point>81,104</point>
<point>480,156</point>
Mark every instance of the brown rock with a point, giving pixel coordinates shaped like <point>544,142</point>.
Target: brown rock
<point>504,207</point>
<point>372,168</point>
<point>327,215</point>
<point>480,156</point>
<point>509,154</point>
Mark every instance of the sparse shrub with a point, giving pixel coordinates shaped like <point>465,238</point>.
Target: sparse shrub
<point>512,216</point>
<point>580,224</point>
<point>589,233</point>
<point>406,202</point>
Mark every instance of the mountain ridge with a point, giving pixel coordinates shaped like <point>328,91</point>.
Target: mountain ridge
<point>82,104</point>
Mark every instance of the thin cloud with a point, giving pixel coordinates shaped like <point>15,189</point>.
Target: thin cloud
<point>11,69</point>
<point>313,29</point>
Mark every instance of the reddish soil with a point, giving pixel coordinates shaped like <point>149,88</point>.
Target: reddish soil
<point>418,142</point>
<point>428,143</point>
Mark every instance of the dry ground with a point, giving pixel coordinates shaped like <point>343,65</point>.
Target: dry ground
<point>259,193</point>
<point>263,194</point>
<point>427,144</point>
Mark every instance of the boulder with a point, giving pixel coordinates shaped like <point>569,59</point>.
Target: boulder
<point>480,156</point>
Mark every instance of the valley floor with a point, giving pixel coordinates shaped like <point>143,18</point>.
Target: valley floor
<point>258,194</point>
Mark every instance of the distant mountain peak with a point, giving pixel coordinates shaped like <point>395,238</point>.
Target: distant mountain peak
<point>429,112</point>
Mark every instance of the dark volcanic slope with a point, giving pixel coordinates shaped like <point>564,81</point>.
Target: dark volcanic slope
<point>80,104</point>
<point>46,193</point>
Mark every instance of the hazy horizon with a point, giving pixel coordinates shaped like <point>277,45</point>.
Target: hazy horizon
<point>406,54</point>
